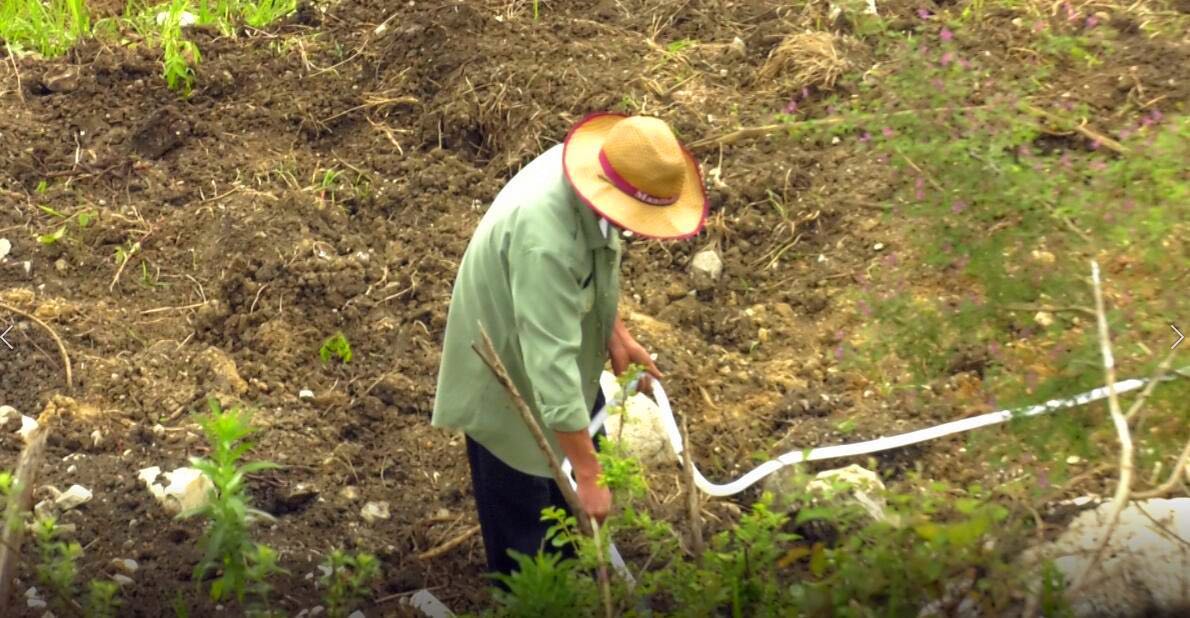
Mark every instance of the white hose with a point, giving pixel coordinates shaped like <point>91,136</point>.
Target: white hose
<point>839,450</point>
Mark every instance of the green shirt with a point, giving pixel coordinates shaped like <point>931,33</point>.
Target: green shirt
<point>543,279</point>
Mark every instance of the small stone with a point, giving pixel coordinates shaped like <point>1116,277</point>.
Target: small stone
<point>350,493</point>
<point>77,495</point>
<point>878,246</point>
<point>1043,257</point>
<point>123,580</point>
<point>305,393</point>
<point>67,81</point>
<point>125,565</point>
<point>28,426</point>
<point>96,438</point>
<point>158,430</point>
<point>705,269</point>
<point>762,335</point>
<point>785,311</point>
<point>1074,460</point>
<point>72,469</point>
<point>5,248</point>
<point>61,266</point>
<point>375,511</point>
<point>6,413</point>
<point>1043,318</point>
<point>298,497</point>
<point>675,291</point>
<point>357,614</point>
<point>317,610</point>
<point>35,603</point>
<point>737,48</point>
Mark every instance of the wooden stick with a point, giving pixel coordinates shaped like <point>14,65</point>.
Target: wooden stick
<point>696,541</point>
<point>487,352</point>
<point>1182,467</point>
<point>430,554</point>
<point>54,336</point>
<point>1082,128</point>
<point>18,503</point>
<point>1158,375</point>
<point>1124,488</point>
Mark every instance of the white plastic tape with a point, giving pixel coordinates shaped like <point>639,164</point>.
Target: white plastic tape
<point>858,448</point>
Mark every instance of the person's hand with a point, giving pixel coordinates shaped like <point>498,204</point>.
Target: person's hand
<point>593,498</point>
<point>625,352</point>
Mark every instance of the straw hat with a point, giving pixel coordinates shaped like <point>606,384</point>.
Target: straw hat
<point>633,172</point>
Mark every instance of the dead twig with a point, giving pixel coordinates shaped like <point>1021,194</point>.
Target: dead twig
<point>487,353</point>
<point>697,544</point>
<point>459,539</point>
<point>1158,375</point>
<point>18,503</point>
<point>53,335</point>
<point>1124,488</point>
<point>1081,127</point>
<point>1180,469</point>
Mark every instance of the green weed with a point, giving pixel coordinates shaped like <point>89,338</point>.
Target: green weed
<point>336,346</point>
<point>347,581</point>
<point>48,27</point>
<point>243,566</point>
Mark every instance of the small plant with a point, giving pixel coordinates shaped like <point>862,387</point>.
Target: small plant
<point>244,566</point>
<point>264,12</point>
<point>179,55</point>
<point>336,346</point>
<point>52,237</point>
<point>347,580</point>
<point>103,599</point>
<point>49,28</point>
<point>57,568</point>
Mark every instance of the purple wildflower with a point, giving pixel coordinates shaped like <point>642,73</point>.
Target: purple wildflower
<point>1092,21</point>
<point>1128,205</point>
<point>865,309</point>
<point>1097,166</point>
<point>1157,115</point>
<point>958,207</point>
<point>1125,133</point>
<point>805,92</point>
<point>839,353</point>
<point>923,13</point>
<point>888,132</point>
<point>946,35</point>
<point>947,58</point>
<point>1095,144</point>
<point>890,260</point>
<point>937,82</point>
<point>791,106</point>
<point>965,64</point>
<point>919,189</point>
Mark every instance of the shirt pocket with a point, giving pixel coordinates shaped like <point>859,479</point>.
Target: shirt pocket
<point>586,293</point>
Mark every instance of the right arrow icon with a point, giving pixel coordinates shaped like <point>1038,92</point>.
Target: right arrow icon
<point>1180,336</point>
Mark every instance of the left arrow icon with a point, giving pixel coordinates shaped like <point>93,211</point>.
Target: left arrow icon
<point>1180,336</point>
<point>6,340</point>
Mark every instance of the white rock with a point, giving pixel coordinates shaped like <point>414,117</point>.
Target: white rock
<point>643,434</point>
<point>96,437</point>
<point>123,580</point>
<point>737,48</point>
<point>5,248</point>
<point>185,19</point>
<point>349,492</point>
<point>158,430</point>
<point>44,509</point>
<point>317,610</point>
<point>187,488</point>
<point>305,393</point>
<point>1144,569</point>
<point>7,413</point>
<point>77,495</point>
<point>126,565</point>
<point>35,603</point>
<point>28,426</point>
<point>706,268</point>
<point>1043,318</point>
<point>428,604</point>
<point>72,469</point>
<point>357,614</point>
<point>878,246</point>
<point>32,593</point>
<point>864,488</point>
<point>375,511</point>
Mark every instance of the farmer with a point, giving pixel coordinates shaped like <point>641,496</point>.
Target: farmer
<point>541,274</point>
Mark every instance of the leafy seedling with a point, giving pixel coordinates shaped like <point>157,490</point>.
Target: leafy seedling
<point>347,580</point>
<point>336,346</point>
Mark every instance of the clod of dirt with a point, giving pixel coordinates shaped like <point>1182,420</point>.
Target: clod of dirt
<point>164,131</point>
<point>222,372</point>
<point>61,83</point>
<point>296,499</point>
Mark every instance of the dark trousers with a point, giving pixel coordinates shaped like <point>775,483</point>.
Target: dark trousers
<point>509,503</point>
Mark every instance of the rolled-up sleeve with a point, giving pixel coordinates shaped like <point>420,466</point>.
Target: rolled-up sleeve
<point>548,310</point>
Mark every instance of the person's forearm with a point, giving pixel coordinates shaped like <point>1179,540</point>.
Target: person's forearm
<point>580,450</point>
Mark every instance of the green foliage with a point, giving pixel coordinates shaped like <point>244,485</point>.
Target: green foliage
<point>244,566</point>
<point>179,55</point>
<point>103,599</point>
<point>264,12</point>
<point>347,581</point>
<point>935,542</point>
<point>52,237</point>
<point>57,567</point>
<point>49,28</point>
<point>336,346</point>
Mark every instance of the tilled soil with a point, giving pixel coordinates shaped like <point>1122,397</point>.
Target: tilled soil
<point>246,255</point>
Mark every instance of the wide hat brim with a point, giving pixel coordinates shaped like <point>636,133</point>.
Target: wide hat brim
<point>580,159</point>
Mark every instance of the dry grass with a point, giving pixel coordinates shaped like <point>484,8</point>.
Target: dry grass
<point>807,59</point>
